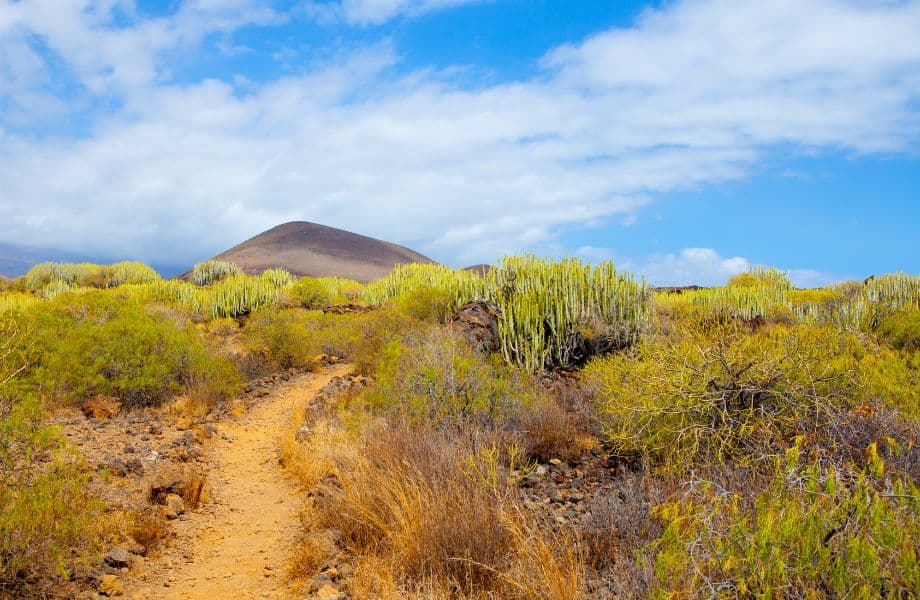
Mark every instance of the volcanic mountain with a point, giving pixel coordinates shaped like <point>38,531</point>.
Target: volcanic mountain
<point>309,249</point>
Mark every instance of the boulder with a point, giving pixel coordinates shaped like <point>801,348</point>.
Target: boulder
<point>478,323</point>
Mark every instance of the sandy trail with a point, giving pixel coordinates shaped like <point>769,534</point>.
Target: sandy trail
<point>237,545</point>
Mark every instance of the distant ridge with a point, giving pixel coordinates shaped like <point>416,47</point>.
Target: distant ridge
<point>310,249</point>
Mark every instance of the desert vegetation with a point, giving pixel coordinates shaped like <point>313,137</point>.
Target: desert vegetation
<point>549,429</point>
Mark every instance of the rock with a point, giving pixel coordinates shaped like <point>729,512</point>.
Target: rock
<point>303,434</point>
<point>116,467</point>
<point>205,432</point>
<point>478,323</point>
<point>327,592</point>
<point>135,467</point>
<point>174,507</point>
<point>135,548</point>
<point>555,462</point>
<point>165,487</point>
<point>110,586</point>
<point>118,558</point>
<point>320,581</point>
<point>540,471</point>
<point>101,407</point>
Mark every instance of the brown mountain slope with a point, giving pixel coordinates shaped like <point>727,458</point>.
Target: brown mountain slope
<point>310,249</point>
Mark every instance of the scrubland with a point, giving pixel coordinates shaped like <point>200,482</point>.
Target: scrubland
<point>751,440</point>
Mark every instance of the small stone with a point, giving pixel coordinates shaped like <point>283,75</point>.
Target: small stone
<point>327,592</point>
<point>174,507</point>
<point>303,434</point>
<point>555,462</point>
<point>110,586</point>
<point>540,471</point>
<point>118,558</point>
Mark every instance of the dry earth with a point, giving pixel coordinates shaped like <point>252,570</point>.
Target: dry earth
<point>237,543</point>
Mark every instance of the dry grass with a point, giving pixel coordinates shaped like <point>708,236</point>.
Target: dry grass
<point>148,527</point>
<point>406,508</point>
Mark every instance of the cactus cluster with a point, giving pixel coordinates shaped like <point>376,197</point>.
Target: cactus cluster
<point>406,279</point>
<point>78,275</point>
<point>547,304</point>
<point>129,272</point>
<point>231,297</point>
<point>212,271</point>
<point>544,303</point>
<point>277,277</point>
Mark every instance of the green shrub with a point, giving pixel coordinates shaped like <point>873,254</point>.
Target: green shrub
<point>814,533</point>
<point>728,394</point>
<point>309,292</point>
<point>290,337</point>
<point>212,271</point>
<point>901,329</point>
<point>47,518</point>
<point>102,343</point>
<point>434,375</point>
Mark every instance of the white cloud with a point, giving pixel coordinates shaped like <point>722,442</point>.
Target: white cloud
<point>697,266</point>
<point>693,94</point>
<point>692,266</point>
<point>375,12</point>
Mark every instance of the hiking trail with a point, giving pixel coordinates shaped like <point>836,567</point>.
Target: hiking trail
<point>238,543</point>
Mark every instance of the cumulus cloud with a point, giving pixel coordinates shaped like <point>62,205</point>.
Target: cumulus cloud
<point>697,266</point>
<point>692,94</point>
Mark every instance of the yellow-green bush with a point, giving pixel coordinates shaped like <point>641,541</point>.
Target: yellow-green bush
<point>212,271</point>
<point>901,329</point>
<point>16,300</point>
<point>47,519</point>
<point>434,375</point>
<point>309,292</point>
<point>814,533</point>
<point>294,337</point>
<point>103,343</point>
<point>712,396</point>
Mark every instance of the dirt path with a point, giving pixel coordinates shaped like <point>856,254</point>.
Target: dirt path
<point>237,544</point>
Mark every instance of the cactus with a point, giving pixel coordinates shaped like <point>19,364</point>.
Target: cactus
<point>127,272</point>
<point>543,302</point>
<point>212,271</point>
<point>280,278</point>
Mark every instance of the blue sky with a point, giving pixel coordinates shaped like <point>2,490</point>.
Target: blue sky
<point>685,139</point>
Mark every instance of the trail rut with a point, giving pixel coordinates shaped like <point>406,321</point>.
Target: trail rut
<point>237,544</point>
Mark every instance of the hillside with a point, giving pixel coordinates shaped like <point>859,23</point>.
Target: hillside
<point>310,249</point>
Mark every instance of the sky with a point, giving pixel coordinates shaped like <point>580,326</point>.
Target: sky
<point>685,140</point>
